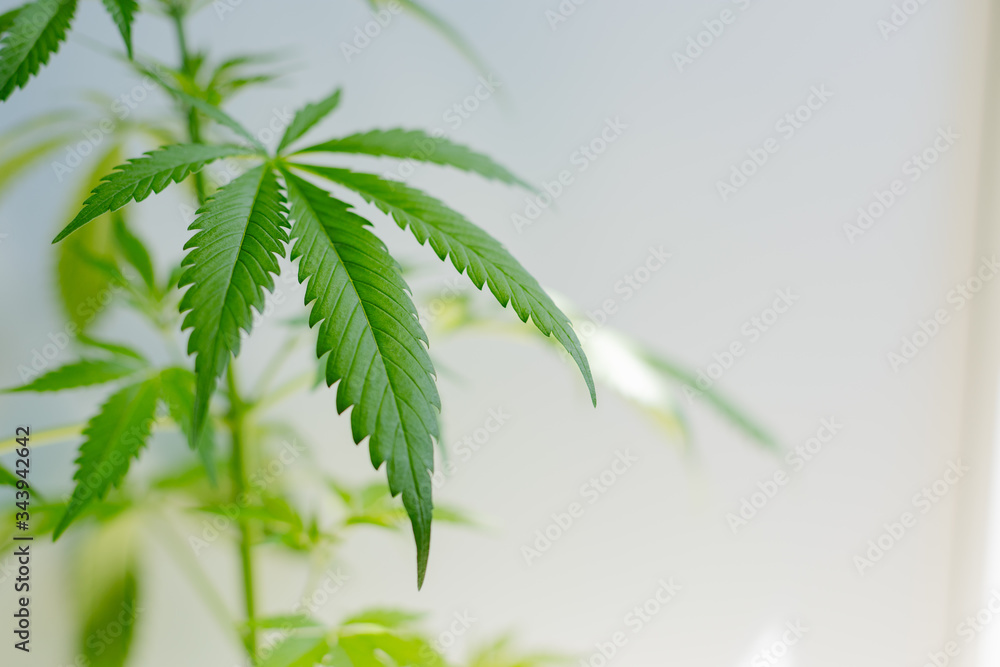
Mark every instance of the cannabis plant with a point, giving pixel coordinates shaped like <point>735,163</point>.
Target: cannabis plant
<point>275,199</point>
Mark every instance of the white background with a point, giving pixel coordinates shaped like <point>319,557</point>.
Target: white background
<point>655,186</point>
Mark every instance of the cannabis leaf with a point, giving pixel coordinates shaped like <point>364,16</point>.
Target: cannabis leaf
<point>241,233</point>
<point>308,116</point>
<point>122,13</point>
<point>471,250</point>
<point>139,177</point>
<point>420,146</point>
<point>133,250</point>
<point>114,437</point>
<point>33,35</point>
<point>177,387</point>
<point>83,373</point>
<point>377,347</point>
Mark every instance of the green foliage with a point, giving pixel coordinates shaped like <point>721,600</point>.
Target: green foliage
<point>231,260</point>
<point>138,178</point>
<point>133,250</point>
<point>112,439</point>
<point>471,250</point>
<point>307,117</point>
<point>420,146</point>
<point>369,327</point>
<point>123,13</point>
<point>83,373</point>
<point>32,36</point>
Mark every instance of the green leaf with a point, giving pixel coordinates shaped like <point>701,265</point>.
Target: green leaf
<point>133,250</point>
<point>7,20</point>
<point>387,618</point>
<point>439,25</point>
<point>113,348</point>
<point>7,478</point>
<point>306,117</point>
<point>241,234</point>
<point>364,648</point>
<point>85,289</point>
<point>123,13</point>
<point>210,110</point>
<point>377,347</point>
<point>177,387</point>
<point>139,177</point>
<point>83,373</point>
<point>108,583</point>
<point>34,35</point>
<point>113,437</point>
<point>471,249</point>
<point>286,622</point>
<point>722,405</point>
<point>420,146</point>
<point>298,651</point>
<point>15,163</point>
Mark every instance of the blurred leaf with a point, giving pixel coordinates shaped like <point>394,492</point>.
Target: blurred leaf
<point>16,163</point>
<point>108,581</point>
<point>387,618</point>
<point>7,20</point>
<point>83,373</point>
<point>501,653</point>
<point>177,391</point>
<point>365,645</point>
<point>298,651</point>
<point>133,250</point>
<point>286,622</point>
<point>439,25</point>
<point>114,348</point>
<point>7,478</point>
<point>722,405</point>
<point>85,289</point>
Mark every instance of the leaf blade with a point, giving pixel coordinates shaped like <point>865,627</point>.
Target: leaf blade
<point>34,34</point>
<point>379,357</point>
<point>422,147</point>
<point>306,117</point>
<point>151,173</point>
<point>227,279</point>
<point>123,14</point>
<point>83,373</point>
<point>471,251</point>
<point>113,437</point>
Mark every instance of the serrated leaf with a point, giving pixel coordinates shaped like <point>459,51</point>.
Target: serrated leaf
<point>306,117</point>
<point>177,387</point>
<point>133,250</point>
<point>368,324</point>
<point>420,146</point>
<point>34,35</point>
<point>241,233</point>
<point>123,13</point>
<point>113,437</point>
<point>83,373</point>
<point>139,177</point>
<point>471,250</point>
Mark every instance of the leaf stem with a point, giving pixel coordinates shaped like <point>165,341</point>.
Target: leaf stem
<point>187,68</point>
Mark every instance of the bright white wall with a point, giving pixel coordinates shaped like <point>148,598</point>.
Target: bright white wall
<point>826,358</point>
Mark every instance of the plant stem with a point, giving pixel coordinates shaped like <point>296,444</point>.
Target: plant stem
<point>187,67</point>
<point>237,427</point>
<point>238,408</point>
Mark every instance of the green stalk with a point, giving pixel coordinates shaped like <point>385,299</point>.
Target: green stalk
<point>238,408</point>
<point>237,428</point>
